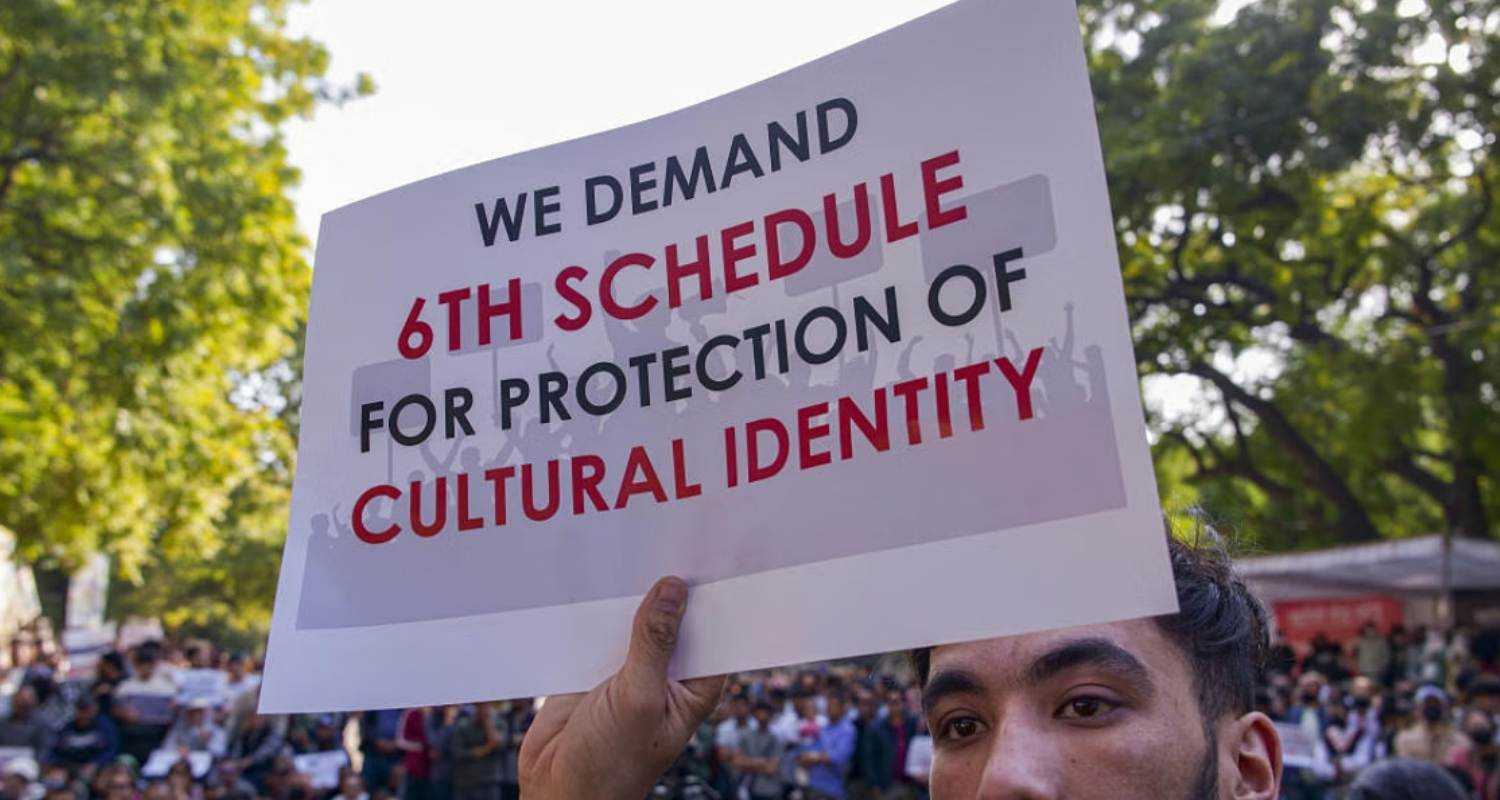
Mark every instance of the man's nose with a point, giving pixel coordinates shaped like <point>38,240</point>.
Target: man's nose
<point>1022,765</point>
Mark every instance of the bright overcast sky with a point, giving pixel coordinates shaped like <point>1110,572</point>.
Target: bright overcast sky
<point>463,81</point>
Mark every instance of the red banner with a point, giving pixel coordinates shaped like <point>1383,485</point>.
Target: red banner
<point>1339,618</point>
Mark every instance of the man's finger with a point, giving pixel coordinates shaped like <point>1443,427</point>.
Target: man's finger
<point>553,716</point>
<point>653,636</point>
<point>704,693</point>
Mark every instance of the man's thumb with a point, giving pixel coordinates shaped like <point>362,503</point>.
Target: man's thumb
<point>653,636</point>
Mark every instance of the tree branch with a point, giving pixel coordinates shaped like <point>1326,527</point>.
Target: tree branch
<point>1406,467</point>
<point>1470,228</point>
<point>1353,521</point>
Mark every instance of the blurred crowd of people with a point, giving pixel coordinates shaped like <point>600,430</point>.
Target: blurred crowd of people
<point>179,721</point>
<point>826,732</point>
<point>1391,697</point>
<point>1416,694</point>
<point>170,720</point>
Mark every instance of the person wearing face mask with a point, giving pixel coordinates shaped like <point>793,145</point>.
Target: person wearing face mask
<point>1366,702</point>
<point>1306,712</point>
<point>1431,736</point>
<point>1351,734</point>
<point>1480,758</point>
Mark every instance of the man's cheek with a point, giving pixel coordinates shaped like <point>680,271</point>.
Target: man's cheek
<point>1145,761</point>
<point>955,776</point>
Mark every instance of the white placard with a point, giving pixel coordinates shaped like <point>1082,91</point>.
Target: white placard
<point>1298,749</point>
<point>150,709</point>
<point>210,685</point>
<point>161,761</point>
<point>322,769</point>
<point>9,754</point>
<point>852,331</point>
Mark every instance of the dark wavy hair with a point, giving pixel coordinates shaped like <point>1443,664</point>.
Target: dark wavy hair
<point>1405,779</point>
<point>1219,626</point>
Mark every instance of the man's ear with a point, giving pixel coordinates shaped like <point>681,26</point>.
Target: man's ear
<point>1255,749</point>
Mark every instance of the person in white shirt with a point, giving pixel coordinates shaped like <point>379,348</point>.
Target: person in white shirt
<point>143,704</point>
<point>18,780</point>
<point>196,732</point>
<point>919,754</point>
<point>793,728</point>
<point>727,734</point>
<point>786,722</point>
<point>241,677</point>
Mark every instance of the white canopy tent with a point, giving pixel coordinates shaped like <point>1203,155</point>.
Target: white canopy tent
<point>1408,569</point>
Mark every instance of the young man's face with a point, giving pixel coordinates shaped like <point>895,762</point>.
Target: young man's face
<point>1100,711</point>
<point>836,708</point>
<point>23,701</point>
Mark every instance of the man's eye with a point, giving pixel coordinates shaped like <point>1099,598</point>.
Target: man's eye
<point>960,728</point>
<point>1085,708</point>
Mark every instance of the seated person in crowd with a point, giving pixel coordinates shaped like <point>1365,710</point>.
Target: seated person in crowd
<point>89,740</point>
<point>196,731</point>
<point>1431,736</point>
<point>142,703</point>
<point>23,727</point>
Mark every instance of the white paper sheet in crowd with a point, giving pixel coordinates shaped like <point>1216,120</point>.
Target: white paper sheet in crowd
<point>323,768</point>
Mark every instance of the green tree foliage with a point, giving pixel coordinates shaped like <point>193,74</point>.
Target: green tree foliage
<point>154,284</point>
<point>1305,204</point>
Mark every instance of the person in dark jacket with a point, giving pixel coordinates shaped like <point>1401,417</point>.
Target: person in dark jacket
<point>88,741</point>
<point>24,728</point>
<point>377,736</point>
<point>874,753</point>
<point>900,727</point>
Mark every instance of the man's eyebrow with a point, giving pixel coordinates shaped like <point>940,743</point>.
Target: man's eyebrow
<point>948,682</point>
<point>1095,652</point>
